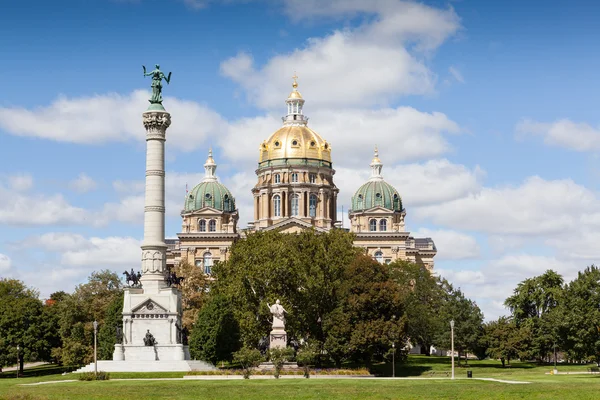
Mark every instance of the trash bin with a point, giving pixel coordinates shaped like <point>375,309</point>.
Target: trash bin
<point>469,374</point>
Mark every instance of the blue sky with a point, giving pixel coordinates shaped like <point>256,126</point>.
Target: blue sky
<point>485,114</point>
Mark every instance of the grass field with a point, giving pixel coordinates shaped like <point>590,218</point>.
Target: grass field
<point>542,386</point>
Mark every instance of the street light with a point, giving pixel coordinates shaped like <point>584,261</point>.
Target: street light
<point>18,364</point>
<point>452,344</point>
<point>95,348</point>
<point>393,359</point>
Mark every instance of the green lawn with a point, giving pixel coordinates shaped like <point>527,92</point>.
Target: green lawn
<point>542,387</point>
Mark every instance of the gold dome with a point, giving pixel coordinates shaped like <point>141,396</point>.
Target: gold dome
<point>295,141</point>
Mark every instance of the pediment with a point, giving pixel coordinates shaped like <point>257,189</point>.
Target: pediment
<point>149,307</point>
<point>293,225</point>
<point>378,210</point>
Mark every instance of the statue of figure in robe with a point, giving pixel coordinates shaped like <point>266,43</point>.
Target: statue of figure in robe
<point>278,314</point>
<point>157,77</point>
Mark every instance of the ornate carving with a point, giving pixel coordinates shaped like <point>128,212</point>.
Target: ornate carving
<point>223,250</point>
<point>156,123</point>
<point>153,261</point>
<point>147,308</point>
<point>155,172</point>
<point>395,249</point>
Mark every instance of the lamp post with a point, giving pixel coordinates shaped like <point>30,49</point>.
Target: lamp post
<point>95,348</point>
<point>452,344</point>
<point>18,363</point>
<point>555,370</point>
<point>393,359</point>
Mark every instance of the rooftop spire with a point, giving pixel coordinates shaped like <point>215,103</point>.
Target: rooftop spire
<point>210,167</point>
<point>376,166</point>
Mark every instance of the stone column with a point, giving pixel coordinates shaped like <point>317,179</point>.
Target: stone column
<point>156,121</point>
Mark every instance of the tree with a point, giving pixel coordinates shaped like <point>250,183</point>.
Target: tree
<point>216,334</point>
<point>532,304</point>
<point>194,290</point>
<point>21,323</point>
<point>370,315</point>
<point>468,322</point>
<point>577,316</point>
<point>424,302</point>
<point>502,339</point>
<point>303,270</point>
<point>248,358</point>
<point>107,332</point>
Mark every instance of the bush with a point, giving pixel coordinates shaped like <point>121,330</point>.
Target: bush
<point>91,376</point>
<point>248,358</point>
<point>307,356</point>
<point>278,357</point>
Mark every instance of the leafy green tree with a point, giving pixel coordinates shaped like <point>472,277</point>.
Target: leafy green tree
<point>303,270</point>
<point>502,339</point>
<point>22,322</point>
<point>468,322</point>
<point>532,305</point>
<point>279,357</point>
<point>306,356</point>
<point>216,334</point>
<point>424,302</point>
<point>371,313</point>
<point>578,316</point>
<point>107,332</point>
<point>194,290</point>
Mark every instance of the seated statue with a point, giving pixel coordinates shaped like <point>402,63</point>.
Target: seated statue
<point>149,339</point>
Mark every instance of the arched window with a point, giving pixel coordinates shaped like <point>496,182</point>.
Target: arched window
<point>208,262</point>
<point>202,225</point>
<point>226,203</point>
<point>212,225</point>
<point>312,206</point>
<point>295,177</point>
<point>359,202</point>
<point>383,225</point>
<point>373,225</point>
<point>208,200</point>
<point>396,202</point>
<point>277,178</point>
<point>277,206</point>
<point>379,257</point>
<point>295,205</point>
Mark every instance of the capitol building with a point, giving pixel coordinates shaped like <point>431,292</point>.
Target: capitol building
<point>295,190</point>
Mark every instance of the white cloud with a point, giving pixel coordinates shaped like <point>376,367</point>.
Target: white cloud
<point>333,68</point>
<point>42,209</point>
<point>106,252</point>
<point>110,118</point>
<point>562,133</point>
<point>5,263</point>
<point>536,207</point>
<point>83,184</point>
<point>456,74</point>
<point>21,182</point>
<point>451,245</point>
<point>54,241</point>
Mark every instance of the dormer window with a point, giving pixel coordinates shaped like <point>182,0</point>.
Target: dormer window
<point>295,143</point>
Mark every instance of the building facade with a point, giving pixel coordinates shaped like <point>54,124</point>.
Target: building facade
<point>295,190</point>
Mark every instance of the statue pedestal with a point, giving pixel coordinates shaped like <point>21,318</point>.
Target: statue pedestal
<point>278,339</point>
<point>118,353</point>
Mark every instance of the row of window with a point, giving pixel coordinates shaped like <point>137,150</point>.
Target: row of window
<point>295,205</point>
<point>206,261</point>
<point>212,225</point>
<point>373,225</point>
<point>312,178</point>
<point>379,258</point>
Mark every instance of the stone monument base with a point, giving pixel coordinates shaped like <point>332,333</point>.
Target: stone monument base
<point>269,365</point>
<point>278,339</point>
<point>149,366</point>
<point>166,352</point>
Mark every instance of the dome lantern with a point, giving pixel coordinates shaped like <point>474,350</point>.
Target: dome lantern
<point>210,167</point>
<point>376,166</point>
<point>295,102</point>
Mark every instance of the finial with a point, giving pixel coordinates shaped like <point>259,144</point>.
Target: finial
<point>295,77</point>
<point>376,152</point>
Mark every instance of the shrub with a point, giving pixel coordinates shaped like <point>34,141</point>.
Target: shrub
<point>248,358</point>
<point>307,356</point>
<point>91,376</point>
<point>278,357</point>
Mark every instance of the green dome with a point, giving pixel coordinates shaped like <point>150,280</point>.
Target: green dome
<point>376,193</point>
<point>210,194</point>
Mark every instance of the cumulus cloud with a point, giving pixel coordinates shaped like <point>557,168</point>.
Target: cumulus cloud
<point>5,263</point>
<point>562,133</point>
<point>83,184</point>
<point>536,207</point>
<point>333,68</point>
<point>109,118</point>
<point>451,245</point>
